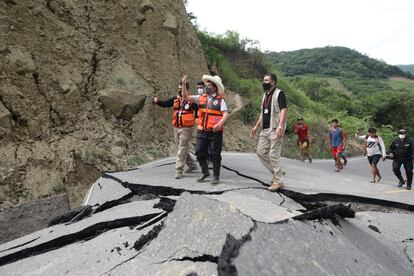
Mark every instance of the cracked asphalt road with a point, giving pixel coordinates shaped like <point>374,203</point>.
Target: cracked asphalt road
<point>145,222</point>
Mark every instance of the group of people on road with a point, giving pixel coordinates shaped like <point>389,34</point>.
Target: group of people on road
<point>401,150</point>
<point>208,109</point>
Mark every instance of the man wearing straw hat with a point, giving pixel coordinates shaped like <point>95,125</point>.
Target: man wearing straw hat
<point>212,115</point>
<point>273,122</point>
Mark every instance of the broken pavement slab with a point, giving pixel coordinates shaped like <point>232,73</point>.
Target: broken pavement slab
<point>62,234</point>
<point>195,230</point>
<point>85,257</point>
<point>312,248</point>
<point>234,228</point>
<point>389,227</point>
<point>256,208</point>
<point>105,190</point>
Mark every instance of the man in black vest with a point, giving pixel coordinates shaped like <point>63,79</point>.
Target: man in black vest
<point>402,151</point>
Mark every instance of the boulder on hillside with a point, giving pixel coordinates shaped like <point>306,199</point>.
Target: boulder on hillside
<point>5,117</point>
<point>122,104</point>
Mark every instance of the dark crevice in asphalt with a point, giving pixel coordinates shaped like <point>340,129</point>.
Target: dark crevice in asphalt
<point>87,233</point>
<point>158,191</point>
<point>166,204</point>
<point>409,257</point>
<point>230,251</point>
<point>72,216</point>
<point>20,245</point>
<point>320,199</point>
<point>112,203</point>
<point>374,228</point>
<point>205,258</point>
<point>254,179</point>
<point>144,239</point>
<point>121,263</point>
<point>151,221</point>
<point>147,238</point>
<point>232,170</point>
<point>328,212</point>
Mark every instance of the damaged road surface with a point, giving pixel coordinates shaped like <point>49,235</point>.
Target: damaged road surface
<point>145,222</point>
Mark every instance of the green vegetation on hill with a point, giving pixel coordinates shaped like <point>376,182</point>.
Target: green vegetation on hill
<point>242,65</point>
<point>333,61</point>
<point>363,87</point>
<point>407,68</point>
<point>320,84</point>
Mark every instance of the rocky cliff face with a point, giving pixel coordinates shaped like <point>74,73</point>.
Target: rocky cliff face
<point>76,79</point>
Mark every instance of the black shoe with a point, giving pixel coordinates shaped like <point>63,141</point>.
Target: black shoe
<point>408,188</point>
<point>401,183</point>
<point>203,177</point>
<point>310,159</point>
<point>215,181</point>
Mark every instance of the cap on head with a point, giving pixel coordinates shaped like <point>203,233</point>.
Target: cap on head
<point>300,118</point>
<point>401,131</point>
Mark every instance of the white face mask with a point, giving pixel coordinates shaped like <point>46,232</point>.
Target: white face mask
<point>200,91</point>
<point>402,136</point>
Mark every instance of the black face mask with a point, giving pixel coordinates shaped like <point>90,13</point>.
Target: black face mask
<point>208,90</point>
<point>266,86</point>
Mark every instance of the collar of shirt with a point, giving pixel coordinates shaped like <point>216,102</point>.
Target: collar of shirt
<point>271,92</point>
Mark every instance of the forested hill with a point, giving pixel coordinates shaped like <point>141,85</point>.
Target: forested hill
<point>407,68</point>
<point>333,62</point>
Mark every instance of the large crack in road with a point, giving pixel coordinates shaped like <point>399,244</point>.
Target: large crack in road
<point>319,207</point>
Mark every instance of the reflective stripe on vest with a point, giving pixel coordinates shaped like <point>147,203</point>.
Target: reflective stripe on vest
<point>183,114</point>
<point>209,112</point>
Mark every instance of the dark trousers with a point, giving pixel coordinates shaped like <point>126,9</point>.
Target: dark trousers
<point>209,142</point>
<point>408,166</point>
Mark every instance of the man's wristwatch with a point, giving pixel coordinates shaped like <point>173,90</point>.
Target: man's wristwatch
<point>280,127</point>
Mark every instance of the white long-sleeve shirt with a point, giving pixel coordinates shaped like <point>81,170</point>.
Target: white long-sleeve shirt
<point>374,145</point>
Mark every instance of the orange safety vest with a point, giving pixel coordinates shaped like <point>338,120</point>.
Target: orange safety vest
<point>209,113</point>
<point>183,114</point>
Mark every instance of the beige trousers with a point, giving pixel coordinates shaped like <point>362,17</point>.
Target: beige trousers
<point>182,137</point>
<point>268,151</point>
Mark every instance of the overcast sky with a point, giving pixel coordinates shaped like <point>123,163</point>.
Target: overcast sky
<point>382,29</point>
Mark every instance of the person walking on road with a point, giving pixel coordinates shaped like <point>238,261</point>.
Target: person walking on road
<point>212,116</point>
<point>183,122</point>
<point>337,143</point>
<point>374,149</point>
<point>402,153</point>
<point>272,119</point>
<point>303,133</point>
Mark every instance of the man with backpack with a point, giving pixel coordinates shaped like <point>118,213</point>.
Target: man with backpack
<point>402,152</point>
<point>337,143</point>
<point>374,149</point>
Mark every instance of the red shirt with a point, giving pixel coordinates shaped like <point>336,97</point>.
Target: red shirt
<point>302,132</point>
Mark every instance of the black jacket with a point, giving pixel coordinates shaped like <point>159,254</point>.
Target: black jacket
<point>402,149</point>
